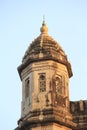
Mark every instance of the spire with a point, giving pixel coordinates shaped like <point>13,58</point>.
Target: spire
<point>44,28</point>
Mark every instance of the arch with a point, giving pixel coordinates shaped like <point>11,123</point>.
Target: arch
<point>42,82</point>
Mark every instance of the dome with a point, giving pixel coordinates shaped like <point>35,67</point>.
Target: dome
<point>44,47</point>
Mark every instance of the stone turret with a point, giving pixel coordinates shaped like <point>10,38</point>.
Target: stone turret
<point>45,73</point>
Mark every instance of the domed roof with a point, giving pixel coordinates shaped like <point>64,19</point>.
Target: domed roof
<point>44,47</point>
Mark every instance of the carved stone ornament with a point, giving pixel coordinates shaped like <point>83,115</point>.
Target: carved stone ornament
<point>61,101</point>
<point>58,97</point>
<point>57,81</point>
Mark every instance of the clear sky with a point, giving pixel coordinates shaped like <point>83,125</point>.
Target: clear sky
<point>20,21</point>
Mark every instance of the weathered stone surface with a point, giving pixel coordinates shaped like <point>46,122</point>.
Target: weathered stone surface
<point>45,73</point>
<point>44,47</point>
<point>79,113</point>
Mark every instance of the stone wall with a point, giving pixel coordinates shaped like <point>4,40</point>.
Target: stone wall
<point>79,112</point>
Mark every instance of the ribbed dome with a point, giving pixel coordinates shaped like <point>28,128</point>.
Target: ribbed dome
<point>44,47</point>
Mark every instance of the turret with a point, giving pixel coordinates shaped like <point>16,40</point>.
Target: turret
<point>45,73</point>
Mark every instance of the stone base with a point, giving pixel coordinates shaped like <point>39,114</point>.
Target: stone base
<point>52,126</point>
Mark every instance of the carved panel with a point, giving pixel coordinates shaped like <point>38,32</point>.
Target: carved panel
<point>57,83</point>
<point>58,96</point>
<point>61,100</point>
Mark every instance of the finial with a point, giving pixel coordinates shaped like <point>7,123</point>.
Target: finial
<point>44,28</point>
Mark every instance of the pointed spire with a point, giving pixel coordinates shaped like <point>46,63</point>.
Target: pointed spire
<point>43,17</point>
<point>44,28</point>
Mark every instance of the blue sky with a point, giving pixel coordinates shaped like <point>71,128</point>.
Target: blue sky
<point>20,22</point>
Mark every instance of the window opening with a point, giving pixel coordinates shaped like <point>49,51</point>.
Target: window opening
<point>27,83</point>
<point>42,82</point>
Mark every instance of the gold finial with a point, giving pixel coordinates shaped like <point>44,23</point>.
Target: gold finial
<point>44,28</point>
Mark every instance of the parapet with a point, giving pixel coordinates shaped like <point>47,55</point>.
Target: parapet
<point>79,112</point>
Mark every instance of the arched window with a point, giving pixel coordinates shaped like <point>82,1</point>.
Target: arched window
<point>58,84</point>
<point>42,82</point>
<point>27,87</point>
